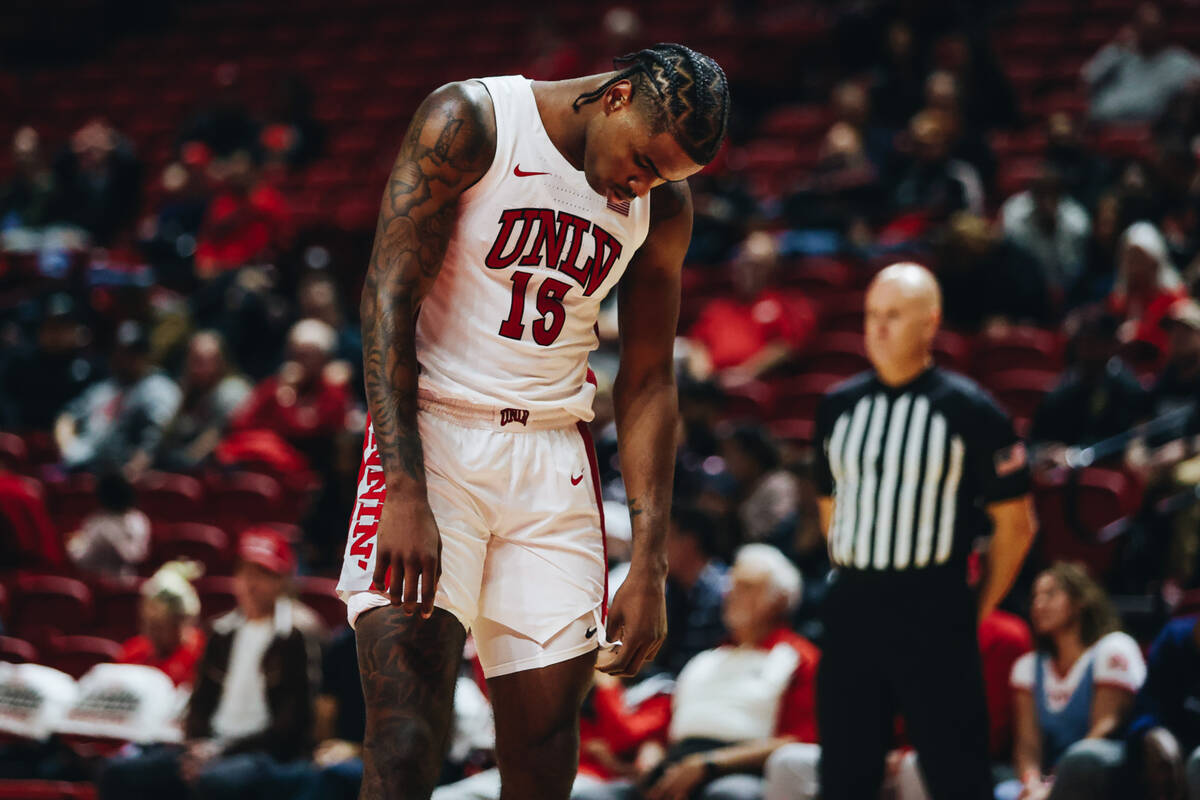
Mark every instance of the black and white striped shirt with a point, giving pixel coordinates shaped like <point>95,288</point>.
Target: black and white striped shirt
<point>911,468</point>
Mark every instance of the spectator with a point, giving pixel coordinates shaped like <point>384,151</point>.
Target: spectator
<point>933,183</point>
<point>988,101</point>
<point>306,401</point>
<point>1070,158</point>
<point>770,495</point>
<point>318,298</point>
<point>844,192</point>
<point>225,127</point>
<point>1003,638</point>
<point>168,235</point>
<point>1178,384</point>
<point>98,182</point>
<point>1166,726</point>
<point>291,130</point>
<point>762,326</point>
<point>852,105</point>
<point>212,390</point>
<point>736,704</point>
<point>1098,397</point>
<point>1146,287</point>
<point>943,94</point>
<point>1107,225</point>
<point>695,590</point>
<point>1050,227</point>
<point>27,199</point>
<point>246,221</point>
<point>38,381</point>
<point>250,713</point>
<point>119,422</point>
<point>170,639</point>
<point>1134,77</point>
<point>1073,694</point>
<point>114,540</point>
<point>897,84</point>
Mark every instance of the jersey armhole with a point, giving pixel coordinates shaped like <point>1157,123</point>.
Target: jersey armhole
<point>496,150</point>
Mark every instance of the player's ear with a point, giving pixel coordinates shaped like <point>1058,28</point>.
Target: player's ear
<point>618,96</point>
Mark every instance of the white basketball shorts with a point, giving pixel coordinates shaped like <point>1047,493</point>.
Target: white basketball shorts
<point>516,499</point>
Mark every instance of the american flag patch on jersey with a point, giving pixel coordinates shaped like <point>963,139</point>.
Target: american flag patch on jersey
<point>621,207</point>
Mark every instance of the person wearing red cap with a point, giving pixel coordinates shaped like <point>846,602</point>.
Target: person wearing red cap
<point>251,711</point>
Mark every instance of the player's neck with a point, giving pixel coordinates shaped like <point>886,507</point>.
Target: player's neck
<point>566,126</point>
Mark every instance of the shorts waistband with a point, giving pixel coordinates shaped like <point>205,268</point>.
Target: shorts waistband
<point>511,420</point>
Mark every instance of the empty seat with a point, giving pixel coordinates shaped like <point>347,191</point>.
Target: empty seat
<point>44,604</point>
<point>170,497</point>
<point>797,397</point>
<point>1073,511</point>
<point>75,655</point>
<point>952,351</point>
<point>1020,347</point>
<point>1020,391</point>
<point>37,790</point>
<point>838,353</point>
<point>244,498</point>
<point>320,594</point>
<point>14,455</point>
<point>207,544</point>
<point>17,651</point>
<point>118,607</point>
<point>71,500</point>
<point>752,401</point>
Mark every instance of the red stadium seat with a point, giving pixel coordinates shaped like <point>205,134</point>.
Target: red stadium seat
<point>795,432</point>
<point>193,540</point>
<point>75,655</point>
<point>843,313</point>
<point>216,595</point>
<point>17,651</point>
<point>751,401</point>
<point>797,397</point>
<point>1073,511</point>
<point>37,790</point>
<point>71,500</point>
<point>44,604</point>
<point>169,497</point>
<point>244,498</point>
<point>1020,391</point>
<point>1021,347</point>
<point>320,594</point>
<point>118,608</point>
<point>14,455</point>
<point>952,351</point>
<point>838,353</point>
<point>818,276</point>
<point>800,122</point>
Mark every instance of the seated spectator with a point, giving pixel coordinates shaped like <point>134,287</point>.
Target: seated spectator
<point>1147,286</point>
<point>1166,727</point>
<point>225,126</point>
<point>37,381</point>
<point>844,191</point>
<point>1178,384</point>
<point>852,105</point>
<point>1098,397</point>
<point>1068,156</point>
<point>250,713</point>
<point>746,335</point>
<point>318,298</point>
<point>246,221</point>
<point>291,120</point>
<point>115,539</point>
<point>1073,694</point>
<point>1051,227</point>
<point>306,401</point>
<point>695,590</point>
<point>27,198</point>
<point>933,183</point>
<point>986,279</point>
<point>98,182</point>
<point>119,422</point>
<point>1134,77</point>
<point>736,704</point>
<point>170,639</point>
<point>168,235</point>
<point>770,495</point>
<point>943,94</point>
<point>212,390</point>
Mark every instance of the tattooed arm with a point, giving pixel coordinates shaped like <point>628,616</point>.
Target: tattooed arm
<point>646,407</point>
<point>449,146</point>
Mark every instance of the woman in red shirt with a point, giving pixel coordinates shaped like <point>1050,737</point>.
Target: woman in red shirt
<point>170,639</point>
<point>1147,285</point>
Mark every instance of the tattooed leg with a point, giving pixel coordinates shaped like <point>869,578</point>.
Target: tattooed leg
<point>537,727</point>
<point>408,666</point>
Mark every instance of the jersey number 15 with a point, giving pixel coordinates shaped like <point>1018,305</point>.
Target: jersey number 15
<point>549,325</point>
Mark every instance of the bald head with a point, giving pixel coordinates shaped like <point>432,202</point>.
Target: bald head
<point>904,309</point>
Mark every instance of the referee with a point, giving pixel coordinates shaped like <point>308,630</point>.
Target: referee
<point>910,459</point>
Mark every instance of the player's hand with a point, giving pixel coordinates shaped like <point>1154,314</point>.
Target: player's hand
<point>410,545</point>
<point>638,618</point>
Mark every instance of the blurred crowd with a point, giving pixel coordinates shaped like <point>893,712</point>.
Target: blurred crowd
<point>181,327</point>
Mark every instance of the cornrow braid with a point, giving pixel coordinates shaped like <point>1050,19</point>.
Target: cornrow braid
<point>689,91</point>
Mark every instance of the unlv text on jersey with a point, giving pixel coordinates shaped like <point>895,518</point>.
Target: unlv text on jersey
<point>542,242</point>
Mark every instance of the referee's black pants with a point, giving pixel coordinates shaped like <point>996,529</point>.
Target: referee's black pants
<point>901,644</point>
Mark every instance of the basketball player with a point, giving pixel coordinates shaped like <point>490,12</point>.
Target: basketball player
<point>513,208</point>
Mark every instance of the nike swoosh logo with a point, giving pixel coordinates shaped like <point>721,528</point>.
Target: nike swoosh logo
<point>590,633</point>
<point>520,173</point>
<point>575,479</point>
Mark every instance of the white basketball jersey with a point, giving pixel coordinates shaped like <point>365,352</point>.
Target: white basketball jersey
<point>511,318</point>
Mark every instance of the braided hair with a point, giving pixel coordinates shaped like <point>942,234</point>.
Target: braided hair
<point>678,90</point>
